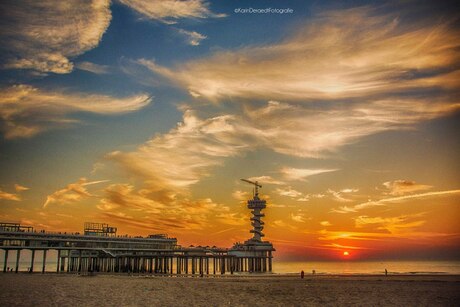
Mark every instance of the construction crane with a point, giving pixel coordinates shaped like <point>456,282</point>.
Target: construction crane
<point>256,186</point>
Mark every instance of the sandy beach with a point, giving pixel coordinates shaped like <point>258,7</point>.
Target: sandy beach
<point>122,290</point>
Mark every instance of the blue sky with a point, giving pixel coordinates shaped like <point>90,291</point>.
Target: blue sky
<point>145,114</point>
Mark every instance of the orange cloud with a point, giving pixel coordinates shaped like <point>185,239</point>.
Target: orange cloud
<point>13,196</point>
<point>140,206</point>
<point>399,224</point>
<point>301,174</point>
<point>398,199</point>
<point>338,195</point>
<point>20,188</point>
<point>72,193</point>
<point>404,198</point>
<point>289,192</point>
<point>125,196</point>
<point>9,196</point>
<point>400,187</point>
<point>242,196</point>
<point>181,157</point>
<point>266,180</point>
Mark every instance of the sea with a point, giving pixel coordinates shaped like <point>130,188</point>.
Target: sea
<point>368,267</point>
<point>345,267</point>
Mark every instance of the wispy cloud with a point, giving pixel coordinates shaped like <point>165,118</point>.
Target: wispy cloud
<point>338,195</point>
<point>26,111</point>
<point>398,224</point>
<point>398,199</point>
<point>328,60</point>
<point>13,196</point>
<point>326,235</point>
<point>404,198</point>
<point>343,209</point>
<point>342,247</point>
<point>9,196</point>
<point>297,130</point>
<point>382,235</point>
<point>20,188</point>
<point>169,11</point>
<point>266,180</point>
<point>284,225</point>
<point>140,206</point>
<point>289,192</point>
<point>400,187</point>
<point>125,196</point>
<point>93,67</point>
<point>242,196</point>
<point>180,158</point>
<point>72,193</point>
<point>301,173</point>
<point>299,217</point>
<point>203,144</point>
<point>339,54</point>
<point>193,38</point>
<point>44,35</point>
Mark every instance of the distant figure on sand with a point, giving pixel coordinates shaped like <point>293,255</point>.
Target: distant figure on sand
<point>313,272</point>
<point>386,272</point>
<point>302,274</point>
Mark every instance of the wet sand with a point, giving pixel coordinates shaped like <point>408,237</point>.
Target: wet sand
<point>122,290</point>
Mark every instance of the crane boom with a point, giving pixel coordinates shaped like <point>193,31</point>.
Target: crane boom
<point>252,182</point>
<point>256,186</point>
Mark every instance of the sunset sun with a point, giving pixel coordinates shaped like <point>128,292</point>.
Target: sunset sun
<point>346,254</point>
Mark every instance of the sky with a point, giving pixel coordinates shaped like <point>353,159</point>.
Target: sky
<point>146,114</point>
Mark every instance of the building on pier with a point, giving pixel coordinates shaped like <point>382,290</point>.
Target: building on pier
<point>99,229</point>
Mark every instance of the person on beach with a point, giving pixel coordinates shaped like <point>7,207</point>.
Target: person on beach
<point>386,272</point>
<point>302,274</point>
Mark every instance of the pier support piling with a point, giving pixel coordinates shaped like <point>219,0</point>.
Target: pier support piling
<point>5,261</point>
<point>44,261</point>
<point>18,257</point>
<point>58,261</point>
<point>32,260</point>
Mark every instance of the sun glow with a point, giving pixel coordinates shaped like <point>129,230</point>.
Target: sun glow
<point>346,254</point>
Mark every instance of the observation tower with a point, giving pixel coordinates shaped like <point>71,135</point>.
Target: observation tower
<point>256,204</point>
<point>255,255</point>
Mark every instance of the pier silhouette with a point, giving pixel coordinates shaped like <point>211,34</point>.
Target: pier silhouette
<point>100,249</point>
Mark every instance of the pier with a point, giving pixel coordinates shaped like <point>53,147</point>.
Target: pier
<point>106,252</point>
<point>100,249</point>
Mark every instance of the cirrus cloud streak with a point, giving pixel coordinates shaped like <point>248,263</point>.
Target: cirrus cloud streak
<point>339,54</point>
<point>26,111</point>
<point>169,11</point>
